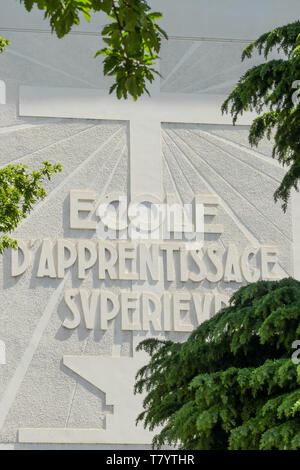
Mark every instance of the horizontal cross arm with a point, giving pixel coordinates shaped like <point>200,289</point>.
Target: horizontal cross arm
<point>84,103</point>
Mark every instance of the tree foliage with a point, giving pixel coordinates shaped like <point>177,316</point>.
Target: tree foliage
<point>132,38</point>
<point>232,384</point>
<point>19,191</point>
<point>3,44</point>
<point>269,89</point>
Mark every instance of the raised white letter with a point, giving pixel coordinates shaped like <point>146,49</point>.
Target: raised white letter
<point>181,303</point>
<point>232,270</point>
<point>89,307</point>
<point>107,264</point>
<point>62,262</point>
<point>69,299</point>
<point>151,315</point>
<point>83,262</point>
<point>106,315</point>
<point>16,268</point>
<point>82,201</point>
<point>46,264</point>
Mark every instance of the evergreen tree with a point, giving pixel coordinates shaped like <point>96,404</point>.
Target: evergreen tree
<point>233,383</point>
<point>271,90</point>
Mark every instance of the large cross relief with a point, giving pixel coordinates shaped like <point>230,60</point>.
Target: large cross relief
<point>115,375</point>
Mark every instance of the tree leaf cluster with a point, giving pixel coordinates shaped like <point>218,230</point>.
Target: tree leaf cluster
<point>271,89</point>
<point>20,190</point>
<point>132,38</point>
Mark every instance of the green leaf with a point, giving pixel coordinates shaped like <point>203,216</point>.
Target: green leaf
<point>133,35</point>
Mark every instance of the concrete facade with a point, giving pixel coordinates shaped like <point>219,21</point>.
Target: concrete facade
<point>72,387</point>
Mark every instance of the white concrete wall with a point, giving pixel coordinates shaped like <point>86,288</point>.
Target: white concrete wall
<point>202,57</point>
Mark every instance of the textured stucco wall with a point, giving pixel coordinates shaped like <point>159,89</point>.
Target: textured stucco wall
<point>197,158</point>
